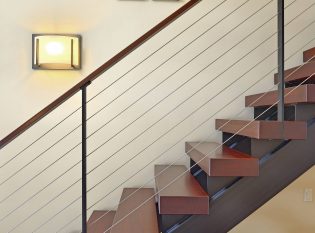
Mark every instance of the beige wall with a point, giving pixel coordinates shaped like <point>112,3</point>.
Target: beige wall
<point>107,27</point>
<point>286,212</point>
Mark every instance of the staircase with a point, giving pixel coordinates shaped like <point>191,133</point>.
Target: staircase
<point>259,158</point>
<point>224,183</point>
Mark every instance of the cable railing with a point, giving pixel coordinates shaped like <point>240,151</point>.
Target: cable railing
<point>85,119</point>
<point>133,103</point>
<point>110,85</point>
<point>269,72</point>
<point>148,92</point>
<point>99,71</point>
<point>166,97</point>
<point>181,140</point>
<point>46,186</point>
<point>219,128</point>
<point>200,142</point>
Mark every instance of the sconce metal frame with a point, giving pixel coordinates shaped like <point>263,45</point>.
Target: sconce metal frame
<point>36,56</point>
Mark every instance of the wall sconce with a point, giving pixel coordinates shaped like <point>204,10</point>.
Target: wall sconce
<point>56,52</point>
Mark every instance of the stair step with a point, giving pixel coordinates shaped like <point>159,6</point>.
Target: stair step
<point>295,95</point>
<point>217,160</point>
<point>299,74</point>
<point>100,221</point>
<point>264,129</point>
<point>184,196</point>
<point>309,55</point>
<point>131,218</point>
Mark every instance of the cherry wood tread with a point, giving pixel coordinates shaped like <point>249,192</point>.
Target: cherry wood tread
<point>217,160</point>
<point>100,221</point>
<point>309,55</point>
<point>136,212</point>
<point>294,95</point>
<point>264,129</point>
<point>184,196</point>
<point>299,74</point>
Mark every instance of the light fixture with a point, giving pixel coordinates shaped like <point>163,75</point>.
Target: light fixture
<point>56,52</point>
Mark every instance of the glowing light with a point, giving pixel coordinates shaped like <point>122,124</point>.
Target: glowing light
<point>55,48</point>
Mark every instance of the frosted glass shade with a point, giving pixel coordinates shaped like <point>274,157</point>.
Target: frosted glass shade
<point>56,52</point>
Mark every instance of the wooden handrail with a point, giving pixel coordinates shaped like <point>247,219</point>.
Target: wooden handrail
<point>98,72</point>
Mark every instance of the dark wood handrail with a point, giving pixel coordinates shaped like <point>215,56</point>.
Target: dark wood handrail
<point>98,72</point>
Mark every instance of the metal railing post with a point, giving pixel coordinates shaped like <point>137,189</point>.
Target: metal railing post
<point>281,80</point>
<point>84,153</point>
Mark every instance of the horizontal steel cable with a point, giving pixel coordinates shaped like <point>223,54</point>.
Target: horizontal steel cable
<point>168,59</point>
<point>108,121</point>
<point>100,92</point>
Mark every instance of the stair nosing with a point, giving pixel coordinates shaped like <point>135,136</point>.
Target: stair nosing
<point>267,134</point>
<point>306,90</point>
<point>295,70</point>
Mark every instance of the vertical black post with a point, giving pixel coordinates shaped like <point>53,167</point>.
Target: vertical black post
<point>84,151</point>
<point>281,80</point>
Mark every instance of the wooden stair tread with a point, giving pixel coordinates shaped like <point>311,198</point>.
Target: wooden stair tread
<point>143,219</point>
<point>295,95</point>
<point>264,129</point>
<point>217,160</point>
<point>184,196</point>
<point>309,55</point>
<point>100,221</point>
<point>298,74</point>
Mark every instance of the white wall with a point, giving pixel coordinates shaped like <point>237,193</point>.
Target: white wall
<point>107,27</point>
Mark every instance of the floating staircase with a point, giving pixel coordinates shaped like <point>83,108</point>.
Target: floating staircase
<point>227,181</point>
